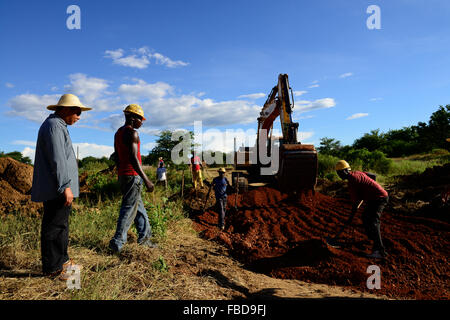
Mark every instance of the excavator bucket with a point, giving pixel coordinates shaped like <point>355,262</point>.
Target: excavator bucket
<point>298,168</point>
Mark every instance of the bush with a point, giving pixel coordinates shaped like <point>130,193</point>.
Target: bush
<point>326,165</point>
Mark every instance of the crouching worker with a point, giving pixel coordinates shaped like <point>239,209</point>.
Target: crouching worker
<point>131,179</point>
<point>363,187</point>
<point>220,184</point>
<point>55,183</point>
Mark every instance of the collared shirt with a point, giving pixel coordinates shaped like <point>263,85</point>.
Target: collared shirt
<point>161,174</point>
<point>220,187</point>
<point>55,164</point>
<point>362,187</point>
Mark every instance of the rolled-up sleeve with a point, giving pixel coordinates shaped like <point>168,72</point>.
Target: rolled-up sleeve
<point>57,158</point>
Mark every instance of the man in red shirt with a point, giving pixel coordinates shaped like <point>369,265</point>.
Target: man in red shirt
<point>363,187</point>
<point>196,166</point>
<point>131,178</point>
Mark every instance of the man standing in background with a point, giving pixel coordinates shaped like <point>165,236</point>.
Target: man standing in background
<point>196,167</point>
<point>161,175</point>
<point>55,183</point>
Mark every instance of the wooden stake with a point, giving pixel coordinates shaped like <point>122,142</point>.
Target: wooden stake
<point>182,184</point>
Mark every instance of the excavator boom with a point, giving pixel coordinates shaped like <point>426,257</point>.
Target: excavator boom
<point>297,162</point>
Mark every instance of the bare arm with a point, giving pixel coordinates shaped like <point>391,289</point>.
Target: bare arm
<point>132,140</point>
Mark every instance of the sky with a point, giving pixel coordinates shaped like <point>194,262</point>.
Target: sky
<point>216,61</point>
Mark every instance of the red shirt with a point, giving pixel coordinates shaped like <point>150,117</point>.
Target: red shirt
<point>123,152</point>
<point>195,161</point>
<point>361,187</point>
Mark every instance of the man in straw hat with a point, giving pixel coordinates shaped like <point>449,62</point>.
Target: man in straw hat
<point>220,185</point>
<point>55,183</point>
<point>131,178</point>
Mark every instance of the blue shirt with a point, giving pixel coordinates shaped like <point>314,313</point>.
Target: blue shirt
<point>161,174</point>
<point>55,164</point>
<point>220,187</point>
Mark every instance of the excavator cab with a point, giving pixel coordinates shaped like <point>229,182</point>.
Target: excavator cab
<point>297,165</point>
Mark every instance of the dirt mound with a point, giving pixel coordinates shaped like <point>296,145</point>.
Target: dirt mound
<point>16,179</point>
<point>426,194</point>
<point>283,237</point>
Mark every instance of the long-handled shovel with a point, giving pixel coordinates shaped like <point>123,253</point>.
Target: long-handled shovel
<point>334,242</point>
<point>207,198</point>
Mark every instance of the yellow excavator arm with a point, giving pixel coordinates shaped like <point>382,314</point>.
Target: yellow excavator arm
<point>297,169</point>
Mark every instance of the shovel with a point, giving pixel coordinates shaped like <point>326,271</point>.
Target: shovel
<point>207,198</point>
<point>334,242</point>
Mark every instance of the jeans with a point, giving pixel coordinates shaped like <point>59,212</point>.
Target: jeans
<point>132,210</point>
<point>55,234</point>
<point>221,204</point>
<point>371,221</point>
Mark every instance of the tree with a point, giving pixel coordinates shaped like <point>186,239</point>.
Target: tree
<point>329,146</point>
<point>370,141</point>
<point>164,147</point>
<point>16,155</point>
<point>434,134</point>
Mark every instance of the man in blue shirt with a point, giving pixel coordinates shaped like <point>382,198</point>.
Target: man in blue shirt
<point>55,183</point>
<point>161,175</point>
<point>220,184</point>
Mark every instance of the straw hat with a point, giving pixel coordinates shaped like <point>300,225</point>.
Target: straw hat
<point>68,100</point>
<point>222,170</point>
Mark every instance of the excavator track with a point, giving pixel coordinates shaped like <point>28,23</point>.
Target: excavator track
<point>298,168</point>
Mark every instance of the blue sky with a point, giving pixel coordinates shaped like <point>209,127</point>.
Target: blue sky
<point>216,61</point>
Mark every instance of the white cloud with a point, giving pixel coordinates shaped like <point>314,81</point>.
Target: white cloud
<point>305,105</point>
<point>299,93</point>
<point>376,99</point>
<point>141,58</point>
<point>345,75</point>
<point>93,150</point>
<point>25,143</point>
<point>160,59</point>
<point>29,152</point>
<point>314,86</point>
<point>54,89</point>
<point>357,115</point>
<point>302,136</point>
<point>9,85</point>
<point>148,146</point>
<point>145,90</point>
<point>89,88</point>
<point>252,96</point>
<point>31,106</point>
<point>132,61</point>
<point>85,150</point>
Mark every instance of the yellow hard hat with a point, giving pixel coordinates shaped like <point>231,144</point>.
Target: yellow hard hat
<point>136,109</point>
<point>222,170</point>
<point>341,165</point>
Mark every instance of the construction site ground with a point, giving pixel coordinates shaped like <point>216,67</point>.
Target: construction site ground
<point>272,247</point>
<point>283,237</point>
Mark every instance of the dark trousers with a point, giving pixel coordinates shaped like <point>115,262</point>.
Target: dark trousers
<point>221,205</point>
<point>371,221</point>
<point>55,234</point>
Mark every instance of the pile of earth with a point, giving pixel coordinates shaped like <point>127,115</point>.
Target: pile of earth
<point>426,194</point>
<point>15,188</point>
<point>284,238</point>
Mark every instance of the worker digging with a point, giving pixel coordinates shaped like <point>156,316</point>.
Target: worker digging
<point>363,187</point>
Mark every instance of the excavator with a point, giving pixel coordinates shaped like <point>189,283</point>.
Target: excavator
<point>284,161</point>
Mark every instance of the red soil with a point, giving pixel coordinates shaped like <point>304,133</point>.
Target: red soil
<point>284,238</point>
